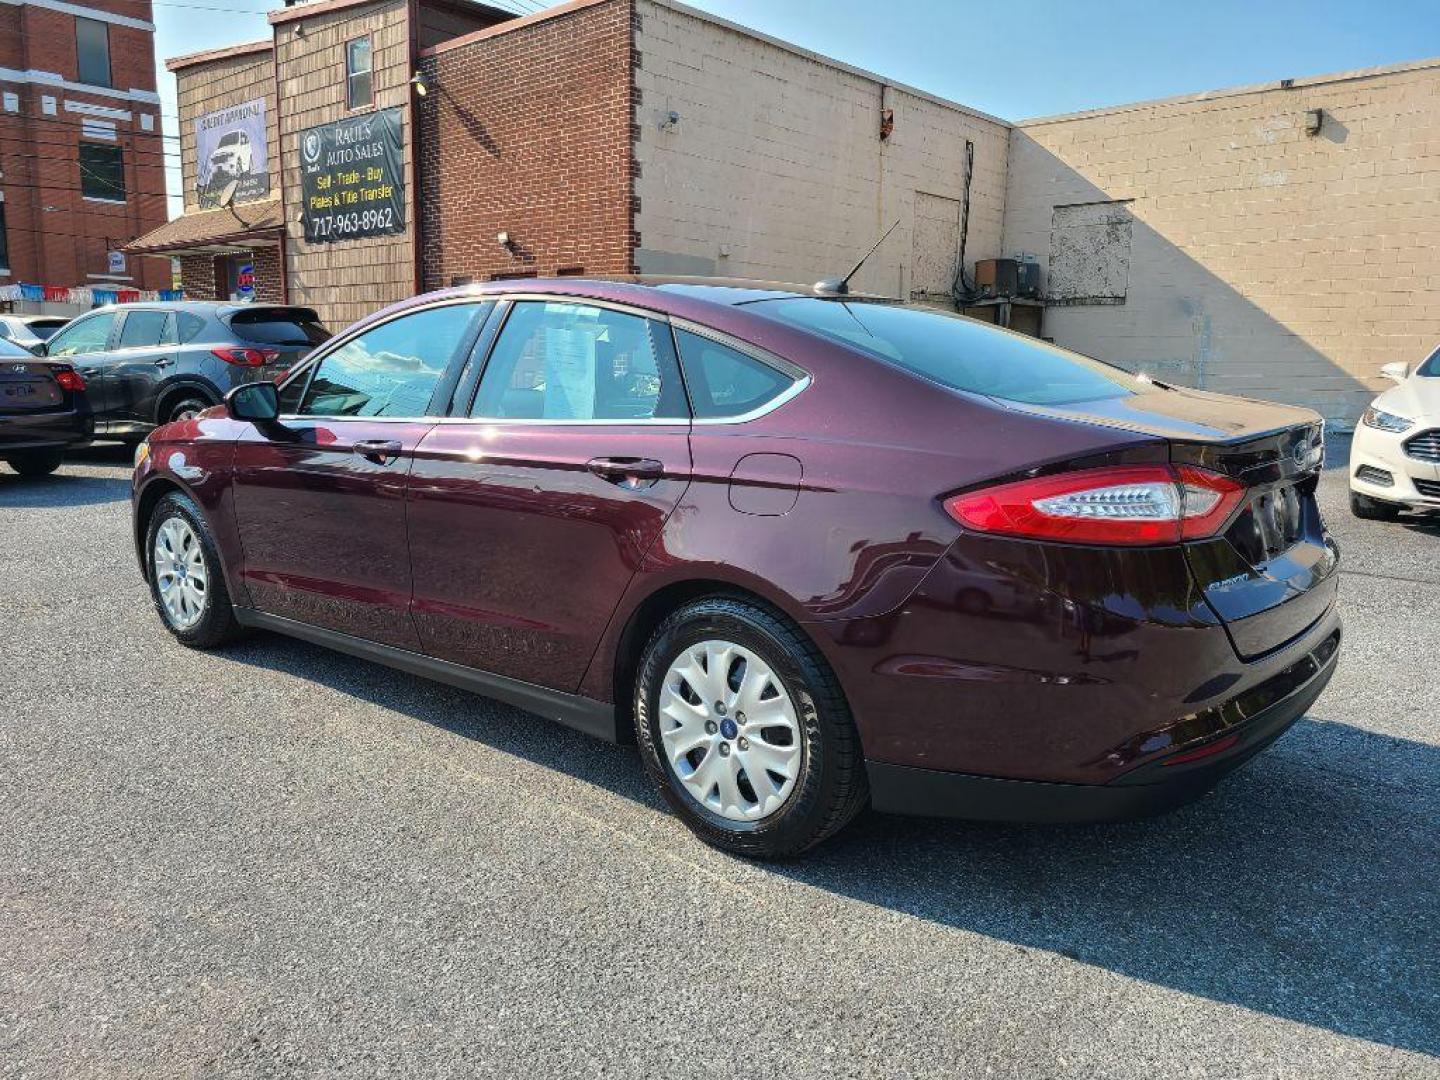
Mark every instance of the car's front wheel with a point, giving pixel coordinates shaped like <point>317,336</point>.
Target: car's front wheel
<point>186,581</point>
<point>1372,509</point>
<point>34,463</point>
<point>745,730</point>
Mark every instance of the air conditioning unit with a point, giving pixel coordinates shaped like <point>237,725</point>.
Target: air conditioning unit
<point>996,278</point>
<point>1027,282</point>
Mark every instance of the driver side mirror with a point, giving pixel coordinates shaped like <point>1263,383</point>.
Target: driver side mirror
<point>1399,371</point>
<point>40,348</point>
<point>257,402</point>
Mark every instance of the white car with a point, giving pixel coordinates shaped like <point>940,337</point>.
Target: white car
<point>1395,457</point>
<point>232,155</point>
<point>30,331</point>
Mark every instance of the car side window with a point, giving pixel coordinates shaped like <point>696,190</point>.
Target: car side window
<point>143,329</point>
<point>725,382</point>
<point>84,336</point>
<point>187,326</point>
<point>557,360</point>
<point>391,370</point>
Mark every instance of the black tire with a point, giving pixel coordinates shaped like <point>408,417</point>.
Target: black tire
<point>216,625</point>
<point>35,463</point>
<point>1372,509</point>
<point>184,408</point>
<point>830,787</point>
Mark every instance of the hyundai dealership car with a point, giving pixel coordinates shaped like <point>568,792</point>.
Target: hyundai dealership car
<point>1395,455</point>
<point>44,411</point>
<point>809,550</point>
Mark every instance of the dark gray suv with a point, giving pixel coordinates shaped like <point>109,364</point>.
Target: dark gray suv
<point>148,364</point>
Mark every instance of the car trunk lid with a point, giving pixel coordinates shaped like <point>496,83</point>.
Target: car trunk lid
<point>28,387</point>
<point>1271,573</point>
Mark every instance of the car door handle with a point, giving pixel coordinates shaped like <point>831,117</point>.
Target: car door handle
<point>627,472</point>
<point>164,361</point>
<point>380,451</point>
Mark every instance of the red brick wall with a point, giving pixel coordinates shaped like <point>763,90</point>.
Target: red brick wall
<point>204,277</point>
<point>197,276</point>
<point>528,131</point>
<point>55,236</point>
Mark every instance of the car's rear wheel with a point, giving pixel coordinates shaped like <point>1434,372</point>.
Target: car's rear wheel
<point>745,730</point>
<point>187,408</point>
<point>1372,509</point>
<point>34,463</point>
<point>186,581</point>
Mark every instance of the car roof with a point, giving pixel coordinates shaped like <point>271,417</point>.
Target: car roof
<point>201,307</point>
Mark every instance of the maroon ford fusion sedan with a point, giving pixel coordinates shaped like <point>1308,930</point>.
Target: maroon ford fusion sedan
<point>815,551</point>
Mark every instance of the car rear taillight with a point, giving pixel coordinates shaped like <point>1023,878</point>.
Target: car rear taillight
<point>1129,505</point>
<point>245,356</point>
<point>69,379</point>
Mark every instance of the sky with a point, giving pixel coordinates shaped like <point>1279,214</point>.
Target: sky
<point>1037,59</point>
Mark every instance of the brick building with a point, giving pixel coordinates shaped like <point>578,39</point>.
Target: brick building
<point>81,153</point>
<point>412,144</point>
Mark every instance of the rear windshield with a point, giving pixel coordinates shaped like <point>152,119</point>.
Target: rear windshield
<point>955,351</point>
<point>9,350</point>
<point>1430,369</point>
<point>43,328</point>
<point>279,326</point>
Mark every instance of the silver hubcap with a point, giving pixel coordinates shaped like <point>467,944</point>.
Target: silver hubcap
<point>180,573</point>
<point>730,731</point>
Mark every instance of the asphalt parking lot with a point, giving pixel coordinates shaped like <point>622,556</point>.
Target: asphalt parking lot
<point>276,861</point>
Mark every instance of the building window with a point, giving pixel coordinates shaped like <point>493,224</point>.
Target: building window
<point>102,172</point>
<point>359,64</point>
<point>4,243</point>
<point>92,49</point>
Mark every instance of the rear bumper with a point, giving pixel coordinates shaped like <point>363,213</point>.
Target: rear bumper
<point>45,431</point>
<point>1153,788</point>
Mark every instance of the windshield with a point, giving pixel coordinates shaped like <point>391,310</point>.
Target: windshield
<point>954,351</point>
<point>1430,369</point>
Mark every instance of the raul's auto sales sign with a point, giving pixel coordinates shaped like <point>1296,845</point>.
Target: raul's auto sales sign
<point>351,178</point>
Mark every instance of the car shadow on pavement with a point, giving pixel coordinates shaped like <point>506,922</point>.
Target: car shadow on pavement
<point>65,487</point>
<point>1304,887</point>
<point>60,489</point>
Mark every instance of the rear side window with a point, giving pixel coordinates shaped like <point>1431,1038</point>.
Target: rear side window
<point>83,336</point>
<point>725,382</point>
<point>279,327</point>
<point>143,328</point>
<point>568,361</point>
<point>188,326</point>
<point>955,351</point>
<point>391,370</point>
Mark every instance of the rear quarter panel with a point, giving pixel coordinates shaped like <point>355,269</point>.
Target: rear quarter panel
<point>878,450</point>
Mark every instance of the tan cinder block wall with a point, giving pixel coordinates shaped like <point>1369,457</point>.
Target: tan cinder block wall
<point>776,170</point>
<point>219,84</point>
<point>1264,261</point>
<point>349,279</point>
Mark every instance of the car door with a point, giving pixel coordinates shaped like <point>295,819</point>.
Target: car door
<point>320,496</point>
<point>529,515</point>
<point>84,343</point>
<point>144,356</point>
